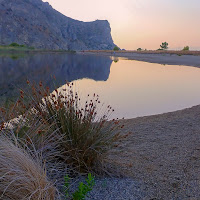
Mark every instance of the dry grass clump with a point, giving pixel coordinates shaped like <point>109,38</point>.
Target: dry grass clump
<point>22,176</point>
<point>81,131</point>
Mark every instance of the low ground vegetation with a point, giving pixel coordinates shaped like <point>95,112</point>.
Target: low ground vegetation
<point>15,46</point>
<point>83,188</point>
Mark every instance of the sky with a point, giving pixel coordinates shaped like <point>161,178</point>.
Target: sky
<point>141,23</point>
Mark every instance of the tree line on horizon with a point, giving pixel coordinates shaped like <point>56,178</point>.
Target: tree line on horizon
<point>163,46</point>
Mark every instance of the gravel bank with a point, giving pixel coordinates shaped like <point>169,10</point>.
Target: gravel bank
<point>168,59</point>
<point>118,189</point>
<point>163,152</point>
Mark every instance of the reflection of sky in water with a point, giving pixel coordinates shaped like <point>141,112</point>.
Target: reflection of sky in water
<point>138,88</point>
<point>133,88</point>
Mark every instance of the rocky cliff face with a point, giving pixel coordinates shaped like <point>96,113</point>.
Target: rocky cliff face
<point>35,23</point>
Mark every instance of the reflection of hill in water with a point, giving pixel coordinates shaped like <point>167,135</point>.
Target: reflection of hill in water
<point>41,67</point>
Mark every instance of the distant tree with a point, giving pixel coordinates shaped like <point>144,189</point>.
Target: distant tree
<point>186,48</point>
<point>139,49</point>
<point>164,45</point>
<point>116,48</point>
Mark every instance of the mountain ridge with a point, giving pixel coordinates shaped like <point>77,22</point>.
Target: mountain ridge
<point>35,23</point>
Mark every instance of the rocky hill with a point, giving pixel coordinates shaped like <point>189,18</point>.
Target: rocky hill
<point>35,23</point>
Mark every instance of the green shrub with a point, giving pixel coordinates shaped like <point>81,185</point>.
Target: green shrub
<point>83,188</point>
<point>186,48</point>
<point>14,45</point>
<point>17,45</point>
<point>116,48</point>
<point>139,49</point>
<point>80,132</point>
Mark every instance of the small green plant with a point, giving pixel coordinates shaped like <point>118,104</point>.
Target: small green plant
<point>186,48</point>
<point>139,49</point>
<point>66,185</point>
<point>116,48</point>
<point>82,190</point>
<point>164,45</point>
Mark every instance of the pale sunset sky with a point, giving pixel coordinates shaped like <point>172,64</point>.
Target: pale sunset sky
<point>141,23</point>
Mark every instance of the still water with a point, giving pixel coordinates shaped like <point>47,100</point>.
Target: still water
<point>133,88</point>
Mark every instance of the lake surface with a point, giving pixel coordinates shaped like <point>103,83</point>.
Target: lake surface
<point>132,88</point>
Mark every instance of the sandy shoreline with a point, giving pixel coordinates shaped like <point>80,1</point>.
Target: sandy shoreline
<point>164,152</point>
<point>167,59</point>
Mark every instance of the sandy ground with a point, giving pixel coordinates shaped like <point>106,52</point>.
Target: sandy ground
<point>168,59</point>
<point>164,152</point>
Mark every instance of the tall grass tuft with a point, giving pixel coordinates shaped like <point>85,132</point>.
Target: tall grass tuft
<point>82,131</point>
<point>22,175</point>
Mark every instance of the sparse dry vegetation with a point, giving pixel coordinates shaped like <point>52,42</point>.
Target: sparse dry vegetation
<point>22,174</point>
<point>82,132</point>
